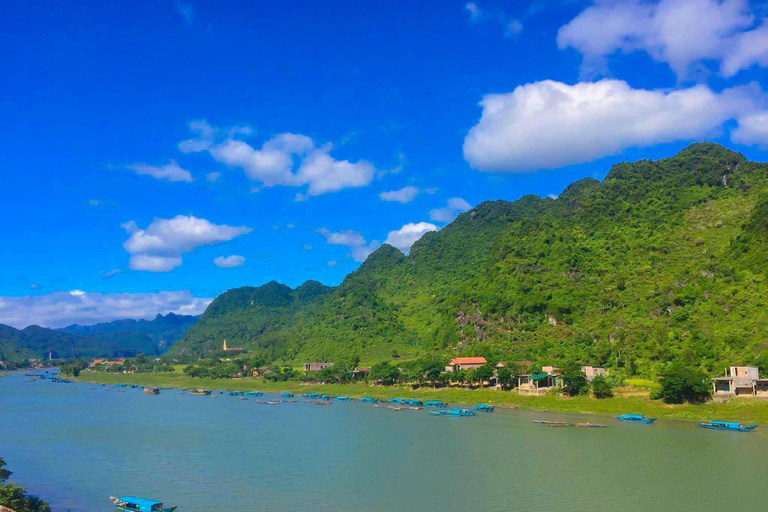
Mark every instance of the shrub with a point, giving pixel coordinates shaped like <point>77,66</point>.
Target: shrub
<point>601,387</point>
<point>681,384</point>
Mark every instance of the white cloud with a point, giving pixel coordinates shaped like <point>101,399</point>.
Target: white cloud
<point>546,125</point>
<point>512,27</point>
<point>474,11</point>
<point>110,273</point>
<point>187,11</point>
<point>168,172</point>
<point>405,194</point>
<point>230,261</point>
<point>275,164</point>
<point>93,202</point>
<point>404,237</point>
<point>331,263</point>
<point>159,247</point>
<point>60,309</point>
<point>347,237</point>
<point>213,176</point>
<point>454,206</point>
<point>362,252</point>
<point>206,135</point>
<point>752,130</point>
<point>681,33</point>
<point>552,196</point>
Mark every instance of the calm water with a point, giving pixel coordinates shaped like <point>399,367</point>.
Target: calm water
<point>77,444</point>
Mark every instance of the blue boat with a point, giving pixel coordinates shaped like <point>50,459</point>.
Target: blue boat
<point>311,395</point>
<point>324,397</point>
<point>369,399</point>
<point>234,393</point>
<point>343,399</point>
<point>412,401</point>
<point>252,393</point>
<point>453,412</point>
<point>484,408</point>
<point>636,418</point>
<point>287,394</point>
<point>133,504</point>
<point>727,425</point>
<point>396,400</point>
<point>435,403</point>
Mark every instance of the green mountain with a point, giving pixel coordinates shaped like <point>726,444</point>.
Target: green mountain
<point>164,331</point>
<point>40,342</point>
<point>662,261</point>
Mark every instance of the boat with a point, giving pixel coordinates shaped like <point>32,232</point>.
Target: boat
<point>394,408</point>
<point>287,394</point>
<point>484,408</point>
<point>252,393</point>
<point>324,397</point>
<point>267,402</point>
<point>413,408</point>
<point>636,418</point>
<point>453,412</point>
<point>412,401</point>
<point>395,400</point>
<point>590,425</point>
<point>369,399</point>
<point>243,398</point>
<point>343,399</point>
<point>133,504</point>
<point>728,425</point>
<point>435,403</point>
<point>151,391</point>
<point>553,423</point>
<point>315,402</point>
<point>311,395</point>
<point>234,393</point>
<point>200,392</point>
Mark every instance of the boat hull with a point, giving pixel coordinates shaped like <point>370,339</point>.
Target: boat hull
<point>730,429</point>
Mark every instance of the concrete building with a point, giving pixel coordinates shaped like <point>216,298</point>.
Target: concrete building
<point>740,381</point>
<point>465,363</point>
<point>593,371</point>
<point>316,367</point>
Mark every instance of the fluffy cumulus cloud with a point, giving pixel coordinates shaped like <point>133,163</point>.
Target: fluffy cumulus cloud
<point>59,309</point>
<point>752,129</point>
<point>404,237</point>
<point>168,172</point>
<point>230,261</point>
<point>682,33</point>
<point>546,125</point>
<point>288,159</point>
<point>405,194</point>
<point>454,206</point>
<point>360,248</point>
<point>159,247</point>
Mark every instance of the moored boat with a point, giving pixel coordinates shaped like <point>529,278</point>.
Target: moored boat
<point>369,399</point>
<point>484,408</point>
<point>728,425</point>
<point>311,395</point>
<point>152,391</point>
<point>435,403</point>
<point>453,412</point>
<point>395,400</point>
<point>636,418</point>
<point>252,393</point>
<point>200,392</point>
<point>343,399</point>
<point>133,504</point>
<point>287,394</point>
<point>412,401</point>
<point>590,425</point>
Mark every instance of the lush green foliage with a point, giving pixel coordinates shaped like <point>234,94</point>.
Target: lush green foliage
<point>663,262</point>
<point>601,387</point>
<point>681,384</point>
<point>15,496</point>
<point>574,380</point>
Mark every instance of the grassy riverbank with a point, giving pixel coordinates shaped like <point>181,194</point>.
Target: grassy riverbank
<point>629,399</point>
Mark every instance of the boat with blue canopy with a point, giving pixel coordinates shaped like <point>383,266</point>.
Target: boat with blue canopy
<point>412,401</point>
<point>484,408</point>
<point>453,412</point>
<point>311,395</point>
<point>728,425</point>
<point>252,393</point>
<point>343,399</point>
<point>133,504</point>
<point>369,399</point>
<point>435,403</point>
<point>234,392</point>
<point>287,394</point>
<point>396,400</point>
<point>636,418</point>
<point>324,397</point>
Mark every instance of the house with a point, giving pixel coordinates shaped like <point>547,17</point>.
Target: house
<point>465,363</point>
<point>740,381</point>
<point>96,362</point>
<point>316,367</point>
<point>541,382</point>
<point>360,372</point>
<point>225,348</point>
<point>593,371</point>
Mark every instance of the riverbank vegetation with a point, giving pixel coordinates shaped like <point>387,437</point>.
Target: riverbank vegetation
<point>15,497</point>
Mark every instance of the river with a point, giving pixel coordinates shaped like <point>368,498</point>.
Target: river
<point>77,444</point>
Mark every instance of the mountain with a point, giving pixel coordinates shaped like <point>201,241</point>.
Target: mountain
<point>39,342</point>
<point>661,261</point>
<point>164,331</point>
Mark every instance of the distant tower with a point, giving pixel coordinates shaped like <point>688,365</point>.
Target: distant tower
<point>225,345</point>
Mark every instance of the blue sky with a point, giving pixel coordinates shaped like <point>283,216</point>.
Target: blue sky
<point>143,142</point>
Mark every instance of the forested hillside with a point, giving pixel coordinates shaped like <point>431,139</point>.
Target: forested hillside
<point>163,330</point>
<point>662,261</point>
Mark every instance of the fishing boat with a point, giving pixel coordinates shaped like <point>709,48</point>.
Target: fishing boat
<point>252,393</point>
<point>394,408</point>
<point>560,424</point>
<point>315,402</point>
<point>200,392</point>
<point>435,403</point>
<point>453,412</point>
<point>636,418</point>
<point>484,408</point>
<point>287,394</point>
<point>267,402</point>
<point>590,425</point>
<point>343,399</point>
<point>234,393</point>
<point>369,399</point>
<point>395,400</point>
<point>727,425</point>
<point>152,391</point>
<point>324,397</point>
<point>414,408</point>
<point>412,401</point>
<point>311,395</point>
<point>133,504</point>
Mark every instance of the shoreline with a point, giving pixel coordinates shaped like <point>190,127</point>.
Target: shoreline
<point>628,400</point>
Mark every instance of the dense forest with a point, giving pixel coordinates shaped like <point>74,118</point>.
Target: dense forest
<point>661,262</point>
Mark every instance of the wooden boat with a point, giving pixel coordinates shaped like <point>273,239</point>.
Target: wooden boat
<point>453,412</point>
<point>343,399</point>
<point>267,402</point>
<point>484,408</point>
<point>152,391</point>
<point>133,504</point>
<point>315,402</point>
<point>435,403</point>
<point>415,408</point>
<point>200,392</point>
<point>395,408</point>
<point>287,394</point>
<point>369,399</point>
<point>636,418</point>
<point>590,425</point>
<point>560,424</point>
<point>727,425</point>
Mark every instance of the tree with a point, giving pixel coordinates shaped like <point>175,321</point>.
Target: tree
<point>4,473</point>
<point>504,377</point>
<point>484,373</point>
<point>574,380</point>
<point>385,373</point>
<point>762,363</point>
<point>15,496</point>
<point>681,384</point>
<point>601,387</point>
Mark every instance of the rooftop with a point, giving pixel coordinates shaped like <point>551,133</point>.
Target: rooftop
<point>468,360</point>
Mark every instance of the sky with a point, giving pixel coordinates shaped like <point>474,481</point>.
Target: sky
<point>158,153</point>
